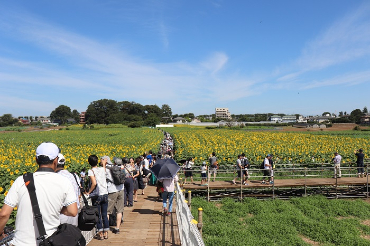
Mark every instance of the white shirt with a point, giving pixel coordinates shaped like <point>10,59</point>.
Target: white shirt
<point>337,159</point>
<point>204,169</point>
<point>112,188</point>
<point>76,187</point>
<point>169,184</point>
<point>189,164</point>
<point>101,182</point>
<point>146,163</point>
<point>53,191</point>
<point>267,162</point>
<point>238,164</point>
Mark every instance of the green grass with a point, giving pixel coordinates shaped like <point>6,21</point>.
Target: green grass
<point>278,222</point>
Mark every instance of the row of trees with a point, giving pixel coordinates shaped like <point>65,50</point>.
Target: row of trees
<point>7,120</point>
<point>63,113</point>
<point>107,111</point>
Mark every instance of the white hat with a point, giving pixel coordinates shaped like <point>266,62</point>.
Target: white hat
<point>108,159</point>
<point>47,149</point>
<point>61,159</point>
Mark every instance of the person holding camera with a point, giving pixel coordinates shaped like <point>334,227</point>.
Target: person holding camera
<point>213,166</point>
<point>360,163</point>
<point>336,160</point>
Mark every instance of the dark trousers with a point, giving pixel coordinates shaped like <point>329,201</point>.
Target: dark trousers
<point>129,192</point>
<point>360,167</point>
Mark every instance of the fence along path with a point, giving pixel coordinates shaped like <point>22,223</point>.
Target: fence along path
<point>143,224</point>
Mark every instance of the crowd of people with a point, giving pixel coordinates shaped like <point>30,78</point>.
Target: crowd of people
<point>267,166</point>
<point>59,192</point>
<point>111,186</point>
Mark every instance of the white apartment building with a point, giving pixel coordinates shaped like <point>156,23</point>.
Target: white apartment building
<point>223,113</point>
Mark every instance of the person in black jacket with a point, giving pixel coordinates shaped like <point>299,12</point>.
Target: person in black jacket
<point>360,163</point>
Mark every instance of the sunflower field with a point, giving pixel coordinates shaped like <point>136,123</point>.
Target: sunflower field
<point>18,149</point>
<point>286,147</point>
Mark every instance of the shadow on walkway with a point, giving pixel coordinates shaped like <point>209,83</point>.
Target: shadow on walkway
<point>144,225</point>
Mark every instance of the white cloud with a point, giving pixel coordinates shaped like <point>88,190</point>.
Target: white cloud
<point>215,62</point>
<point>344,41</point>
<point>19,105</point>
<point>346,79</point>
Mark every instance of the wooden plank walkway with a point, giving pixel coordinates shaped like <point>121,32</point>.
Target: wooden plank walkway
<point>310,182</point>
<point>144,225</point>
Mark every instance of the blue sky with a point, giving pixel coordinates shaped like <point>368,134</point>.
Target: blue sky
<point>292,57</point>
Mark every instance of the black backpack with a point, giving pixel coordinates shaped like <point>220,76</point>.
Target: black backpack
<point>245,163</point>
<point>262,165</point>
<point>118,175</point>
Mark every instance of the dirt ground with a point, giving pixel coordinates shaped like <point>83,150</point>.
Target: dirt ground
<point>335,127</point>
<point>32,129</point>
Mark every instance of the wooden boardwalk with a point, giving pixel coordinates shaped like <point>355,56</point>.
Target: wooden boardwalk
<point>309,182</point>
<point>144,225</point>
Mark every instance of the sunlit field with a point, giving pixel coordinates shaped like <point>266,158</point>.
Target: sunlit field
<point>18,149</point>
<point>286,147</point>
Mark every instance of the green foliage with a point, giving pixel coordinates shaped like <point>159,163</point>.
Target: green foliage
<point>61,114</point>
<point>107,111</point>
<point>135,124</point>
<point>279,222</point>
<point>7,120</point>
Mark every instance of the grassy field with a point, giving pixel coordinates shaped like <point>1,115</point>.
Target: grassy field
<point>299,221</point>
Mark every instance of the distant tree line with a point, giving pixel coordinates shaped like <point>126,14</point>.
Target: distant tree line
<point>7,120</point>
<point>353,117</point>
<point>107,111</point>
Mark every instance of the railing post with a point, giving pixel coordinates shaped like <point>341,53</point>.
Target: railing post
<point>208,181</point>
<point>273,184</point>
<point>367,180</point>
<point>336,182</point>
<point>241,184</point>
<point>200,220</point>
<point>305,181</point>
<point>189,199</point>
<point>322,169</point>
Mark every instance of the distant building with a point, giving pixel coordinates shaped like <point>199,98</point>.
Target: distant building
<point>223,113</point>
<point>365,120</point>
<point>44,119</point>
<point>289,119</point>
<point>301,119</point>
<point>276,118</point>
<point>23,121</point>
<point>179,120</point>
<point>320,119</point>
<point>82,118</point>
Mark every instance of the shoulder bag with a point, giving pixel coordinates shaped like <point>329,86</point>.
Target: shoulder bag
<point>88,216</point>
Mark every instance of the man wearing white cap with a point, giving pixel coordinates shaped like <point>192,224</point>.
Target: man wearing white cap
<point>73,180</point>
<point>55,195</point>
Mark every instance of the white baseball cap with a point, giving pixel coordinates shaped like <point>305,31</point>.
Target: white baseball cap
<point>47,149</point>
<point>61,159</point>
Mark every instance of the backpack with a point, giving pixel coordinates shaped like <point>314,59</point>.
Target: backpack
<point>118,175</point>
<point>245,163</point>
<point>262,165</point>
